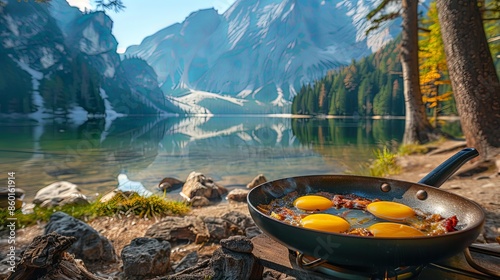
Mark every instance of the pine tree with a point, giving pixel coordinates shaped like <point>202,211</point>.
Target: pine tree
<point>418,128</point>
<point>364,92</point>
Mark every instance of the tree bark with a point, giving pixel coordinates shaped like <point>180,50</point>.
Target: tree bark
<point>417,127</point>
<point>473,77</point>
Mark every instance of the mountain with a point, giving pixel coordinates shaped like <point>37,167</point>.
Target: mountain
<point>259,51</point>
<point>58,62</point>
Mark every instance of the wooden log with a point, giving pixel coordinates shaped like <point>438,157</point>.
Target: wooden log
<point>46,258</point>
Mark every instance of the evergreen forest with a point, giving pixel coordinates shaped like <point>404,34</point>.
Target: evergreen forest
<point>373,85</point>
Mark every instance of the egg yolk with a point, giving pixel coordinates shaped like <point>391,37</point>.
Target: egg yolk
<point>393,230</point>
<point>325,222</point>
<point>389,210</point>
<point>312,203</point>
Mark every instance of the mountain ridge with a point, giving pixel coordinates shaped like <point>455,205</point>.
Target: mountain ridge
<point>259,50</point>
<point>70,58</point>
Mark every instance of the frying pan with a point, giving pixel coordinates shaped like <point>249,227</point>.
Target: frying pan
<point>363,251</point>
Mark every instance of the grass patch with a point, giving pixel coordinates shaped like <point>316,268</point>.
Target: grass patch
<point>153,206</point>
<point>134,204</point>
<point>412,149</point>
<point>384,164</point>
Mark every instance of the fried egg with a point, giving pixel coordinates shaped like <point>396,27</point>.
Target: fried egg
<point>312,203</point>
<point>325,222</point>
<point>387,229</point>
<point>391,211</point>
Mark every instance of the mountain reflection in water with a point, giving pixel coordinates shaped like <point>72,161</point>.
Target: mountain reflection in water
<point>230,149</point>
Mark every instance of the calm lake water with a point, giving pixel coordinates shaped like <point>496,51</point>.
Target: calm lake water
<point>230,149</point>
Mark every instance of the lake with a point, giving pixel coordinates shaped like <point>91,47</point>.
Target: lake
<point>230,149</point>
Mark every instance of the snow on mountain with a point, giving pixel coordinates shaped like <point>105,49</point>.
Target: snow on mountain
<point>189,102</point>
<point>358,10</point>
<point>261,51</point>
<point>37,99</point>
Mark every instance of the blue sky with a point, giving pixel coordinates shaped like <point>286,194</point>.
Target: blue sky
<point>142,18</point>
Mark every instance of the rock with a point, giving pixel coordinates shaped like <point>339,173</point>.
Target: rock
<point>238,222</point>
<point>145,258</point>
<point>217,228</point>
<point>59,194</point>
<point>16,196</point>
<point>201,270</point>
<point>112,194</point>
<point>227,264</point>
<point>251,232</point>
<point>89,246</point>
<point>260,179</point>
<point>109,196</point>
<point>126,185</point>
<point>199,201</point>
<point>46,258</point>
<point>167,184</point>
<point>177,230</point>
<point>231,223</point>
<point>237,243</point>
<point>189,260</point>
<point>198,184</point>
<point>239,195</point>
<point>270,274</point>
<point>76,199</point>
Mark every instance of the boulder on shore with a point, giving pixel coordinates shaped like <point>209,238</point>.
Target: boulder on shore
<point>168,183</point>
<point>145,257</point>
<point>239,195</point>
<point>178,230</point>
<point>89,246</point>
<point>260,179</point>
<point>197,184</point>
<point>59,194</point>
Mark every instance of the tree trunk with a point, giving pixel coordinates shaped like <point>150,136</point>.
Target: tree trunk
<point>417,126</point>
<point>473,77</point>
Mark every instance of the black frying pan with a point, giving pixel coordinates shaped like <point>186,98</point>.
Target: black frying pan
<point>352,250</point>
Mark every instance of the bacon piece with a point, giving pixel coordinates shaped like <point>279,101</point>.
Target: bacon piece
<point>286,215</point>
<point>433,224</point>
<point>351,201</point>
<point>360,232</point>
<point>450,224</point>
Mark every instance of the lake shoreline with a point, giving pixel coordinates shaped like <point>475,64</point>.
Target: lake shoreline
<point>481,187</point>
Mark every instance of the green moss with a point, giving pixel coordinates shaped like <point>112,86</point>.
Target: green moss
<point>144,207</point>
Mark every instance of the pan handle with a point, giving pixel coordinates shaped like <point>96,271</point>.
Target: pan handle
<point>444,171</point>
